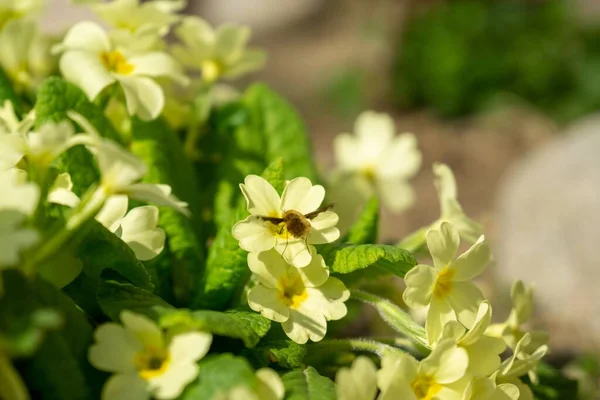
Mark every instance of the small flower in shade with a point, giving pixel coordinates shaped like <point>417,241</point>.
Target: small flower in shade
<point>217,54</point>
<point>303,300</point>
<point>383,161</point>
<point>483,350</point>
<point>25,54</point>
<point>61,191</point>
<point>359,382</point>
<point>288,223</point>
<point>120,170</point>
<point>144,363</point>
<point>139,25</point>
<point>451,210</point>
<point>485,388</point>
<point>512,330</point>
<point>91,61</point>
<point>445,287</point>
<point>19,200</point>
<point>268,387</point>
<point>440,376</point>
<point>137,227</point>
<point>523,362</point>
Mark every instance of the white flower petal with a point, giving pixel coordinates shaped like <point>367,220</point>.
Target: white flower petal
<point>113,211</point>
<point>85,70</point>
<point>472,262</point>
<point>397,368</point>
<point>189,347</point>
<point>115,349</point>
<point>300,195</point>
<point>87,36</point>
<point>254,234</point>
<point>375,131</point>
<point>420,282</point>
<point>172,383</point>
<point>347,152</point>
<point>315,273</point>
<point>328,299</point>
<point>139,231</point>
<point>270,385</point>
<point>358,382</point>
<point>18,194</point>
<point>144,97</point>
<point>443,244</point>
<point>439,314</point>
<point>12,149</point>
<point>157,64</point>
<point>482,321</point>
<point>268,267</point>
<point>400,159</point>
<point>294,252</point>
<point>304,325</point>
<point>396,195</point>
<point>251,60</point>
<point>14,239</point>
<point>230,41</point>
<point>62,191</point>
<point>269,303</point>
<point>448,362</point>
<point>126,387</point>
<point>465,298</point>
<point>143,328</point>
<point>157,194</point>
<point>261,197</point>
<point>484,355</point>
<point>323,228</point>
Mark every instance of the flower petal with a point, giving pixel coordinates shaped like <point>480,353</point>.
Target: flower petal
<point>261,197</point>
<point>254,234</point>
<point>375,131</point>
<point>172,383</point>
<point>482,321</point>
<point>230,41</point>
<point>395,195</point>
<point>400,159</point>
<point>126,387</point>
<point>157,194</point>
<point>85,70</point>
<point>315,273</point>
<point>268,267</point>
<point>269,303</point>
<point>87,36</point>
<point>465,299</point>
<point>347,152</point>
<point>328,299</point>
<point>447,361</point>
<point>420,282</point>
<point>300,195</point>
<point>139,231</point>
<point>115,349</point>
<point>143,328</point>
<point>484,355</point>
<point>157,64</point>
<point>294,252</point>
<point>438,315</point>
<point>62,193</point>
<point>473,261</point>
<point>358,382</point>
<point>443,244</point>
<point>113,211</point>
<point>323,228</point>
<point>144,97</point>
<point>270,385</point>
<point>304,325</point>
<point>189,347</point>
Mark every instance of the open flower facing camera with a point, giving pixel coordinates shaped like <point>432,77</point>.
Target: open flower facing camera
<point>158,243</point>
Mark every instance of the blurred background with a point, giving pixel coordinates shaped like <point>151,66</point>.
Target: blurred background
<point>506,92</point>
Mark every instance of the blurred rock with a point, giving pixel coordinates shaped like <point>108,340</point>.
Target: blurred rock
<point>60,15</point>
<point>260,15</point>
<point>549,233</point>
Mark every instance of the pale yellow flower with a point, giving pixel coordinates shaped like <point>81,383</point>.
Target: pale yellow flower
<point>359,382</point>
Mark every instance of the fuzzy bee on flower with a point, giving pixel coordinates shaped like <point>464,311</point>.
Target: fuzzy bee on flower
<point>288,223</point>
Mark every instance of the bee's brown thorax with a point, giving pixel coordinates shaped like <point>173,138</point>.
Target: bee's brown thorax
<point>296,224</point>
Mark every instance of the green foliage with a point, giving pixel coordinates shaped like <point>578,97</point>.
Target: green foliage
<point>553,384</point>
<point>277,350</point>
<point>247,326</point>
<point>497,50</point>
<point>308,385</point>
<point>59,353</point>
<point>346,258</point>
<point>158,146</point>
<point>101,250</point>
<point>366,227</point>
<point>7,92</point>
<point>219,374</point>
<point>114,297</point>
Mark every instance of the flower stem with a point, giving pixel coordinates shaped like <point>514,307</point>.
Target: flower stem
<point>354,345</point>
<point>415,241</point>
<point>394,316</point>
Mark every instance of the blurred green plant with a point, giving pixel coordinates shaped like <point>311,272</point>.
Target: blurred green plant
<point>461,57</point>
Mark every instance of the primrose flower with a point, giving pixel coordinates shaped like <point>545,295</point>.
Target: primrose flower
<point>487,389</point>
<point>269,387</point>
<point>18,201</point>
<point>220,53</point>
<point>483,350</point>
<point>288,223</point>
<point>139,25</point>
<point>512,329</point>
<point>382,161</point>
<point>92,61</point>
<point>452,212</point>
<point>523,362</point>
<point>137,227</point>
<point>440,376</point>
<point>61,191</point>
<point>14,9</point>
<point>359,382</point>
<point>25,54</point>
<point>302,300</point>
<point>145,364</point>
<point>445,287</point>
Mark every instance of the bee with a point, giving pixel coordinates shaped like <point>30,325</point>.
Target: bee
<point>295,223</point>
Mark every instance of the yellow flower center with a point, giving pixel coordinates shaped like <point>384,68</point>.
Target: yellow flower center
<point>369,173</point>
<point>443,283</point>
<point>115,61</point>
<point>152,362</point>
<point>425,387</point>
<point>211,70</point>
<point>294,225</point>
<point>292,291</point>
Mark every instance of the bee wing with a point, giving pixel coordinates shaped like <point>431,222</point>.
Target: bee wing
<point>273,220</point>
<point>318,211</point>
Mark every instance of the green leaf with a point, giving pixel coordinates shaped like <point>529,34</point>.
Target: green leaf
<point>365,229</point>
<point>282,129</point>
<point>59,368</point>
<point>308,385</point>
<point>553,385</point>
<point>158,146</point>
<point>8,93</point>
<point>219,374</point>
<point>275,349</point>
<point>101,250</point>
<point>115,296</point>
<point>54,98</point>
<point>248,326</point>
<point>347,258</point>
<point>226,268</point>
